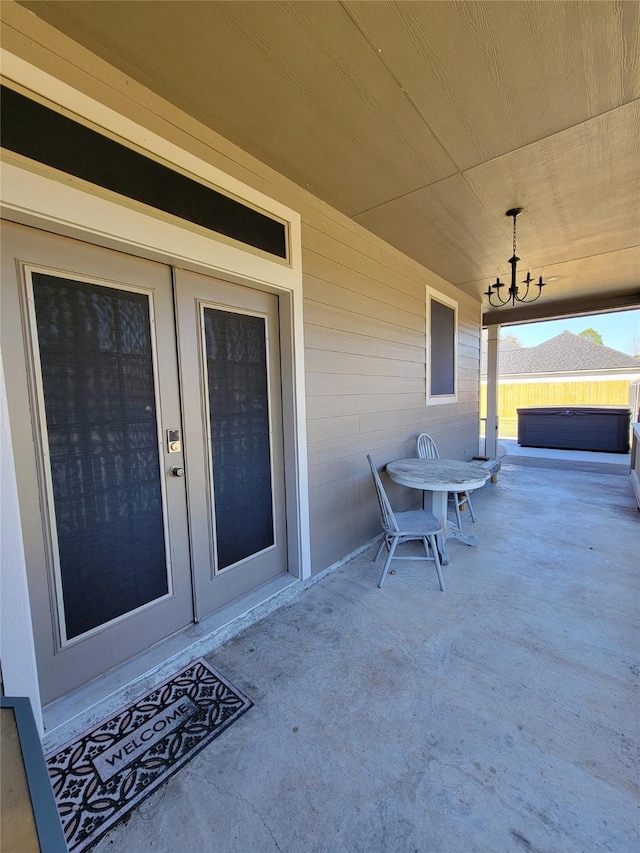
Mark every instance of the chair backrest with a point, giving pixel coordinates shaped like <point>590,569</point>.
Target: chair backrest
<point>426,447</point>
<point>388,519</point>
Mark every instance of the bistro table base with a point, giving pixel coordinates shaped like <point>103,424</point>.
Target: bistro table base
<point>454,532</point>
<point>439,509</point>
<point>438,477</point>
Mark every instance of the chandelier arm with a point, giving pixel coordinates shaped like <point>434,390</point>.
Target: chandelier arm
<point>533,298</point>
<point>526,293</point>
<point>496,292</point>
<point>501,302</point>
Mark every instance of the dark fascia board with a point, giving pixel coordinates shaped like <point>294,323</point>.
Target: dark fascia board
<point>45,811</point>
<point>560,309</point>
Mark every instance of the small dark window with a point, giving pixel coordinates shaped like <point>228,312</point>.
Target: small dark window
<point>48,137</point>
<point>441,345</point>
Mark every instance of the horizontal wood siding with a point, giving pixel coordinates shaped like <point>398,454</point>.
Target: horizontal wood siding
<point>364,311</point>
<point>366,365</point>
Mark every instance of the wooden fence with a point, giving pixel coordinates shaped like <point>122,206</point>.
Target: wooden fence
<point>520,395</point>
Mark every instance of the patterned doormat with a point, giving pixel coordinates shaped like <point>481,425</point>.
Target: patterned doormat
<point>99,777</point>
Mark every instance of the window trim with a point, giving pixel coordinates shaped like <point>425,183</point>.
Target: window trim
<point>440,399</point>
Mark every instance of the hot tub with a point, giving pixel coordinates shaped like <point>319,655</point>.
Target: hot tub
<point>601,428</point>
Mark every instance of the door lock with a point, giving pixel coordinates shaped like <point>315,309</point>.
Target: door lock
<point>174,445</point>
<point>176,471</point>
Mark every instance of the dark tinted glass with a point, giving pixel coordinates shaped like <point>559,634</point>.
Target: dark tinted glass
<point>236,357</point>
<point>443,330</point>
<point>97,375</point>
<point>41,134</point>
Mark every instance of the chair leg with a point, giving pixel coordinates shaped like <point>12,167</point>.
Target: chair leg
<point>383,542</point>
<point>469,506</point>
<point>394,544</point>
<point>436,559</point>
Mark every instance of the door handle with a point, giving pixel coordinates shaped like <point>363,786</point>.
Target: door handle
<point>176,471</point>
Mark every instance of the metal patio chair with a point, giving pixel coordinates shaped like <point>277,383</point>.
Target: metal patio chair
<point>427,449</point>
<point>405,527</point>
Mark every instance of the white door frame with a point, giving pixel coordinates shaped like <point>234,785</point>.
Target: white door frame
<point>35,195</point>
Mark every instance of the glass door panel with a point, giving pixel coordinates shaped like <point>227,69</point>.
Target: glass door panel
<point>230,371</point>
<point>97,375</point>
<point>239,429</point>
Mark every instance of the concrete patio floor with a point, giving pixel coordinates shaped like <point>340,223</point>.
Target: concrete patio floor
<point>500,715</point>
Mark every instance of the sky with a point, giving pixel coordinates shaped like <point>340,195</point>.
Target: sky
<point>619,330</point>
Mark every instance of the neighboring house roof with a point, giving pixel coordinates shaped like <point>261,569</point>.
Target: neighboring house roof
<point>566,353</point>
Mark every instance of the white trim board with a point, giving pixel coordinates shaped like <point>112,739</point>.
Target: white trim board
<point>18,661</point>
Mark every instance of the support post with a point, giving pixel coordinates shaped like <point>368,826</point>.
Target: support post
<point>493,343</point>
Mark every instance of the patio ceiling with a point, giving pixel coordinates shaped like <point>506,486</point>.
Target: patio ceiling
<point>422,121</point>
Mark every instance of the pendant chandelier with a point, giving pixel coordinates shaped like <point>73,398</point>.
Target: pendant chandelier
<point>514,294</point>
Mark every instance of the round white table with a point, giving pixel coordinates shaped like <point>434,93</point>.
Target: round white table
<point>440,476</point>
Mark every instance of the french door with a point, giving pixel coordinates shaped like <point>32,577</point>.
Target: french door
<point>146,501</point>
<point>230,363</point>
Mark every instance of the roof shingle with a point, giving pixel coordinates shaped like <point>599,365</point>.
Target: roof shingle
<point>564,353</point>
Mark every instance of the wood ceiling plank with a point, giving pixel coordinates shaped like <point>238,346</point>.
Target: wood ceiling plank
<point>590,276</point>
<point>445,226</point>
<point>578,188</point>
<point>491,77</point>
<point>299,86</point>
<point>294,84</point>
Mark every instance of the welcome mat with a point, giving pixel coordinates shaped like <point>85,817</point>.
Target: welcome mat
<point>98,778</point>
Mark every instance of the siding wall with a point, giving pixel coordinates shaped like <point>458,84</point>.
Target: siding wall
<point>365,371</point>
<point>364,314</point>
